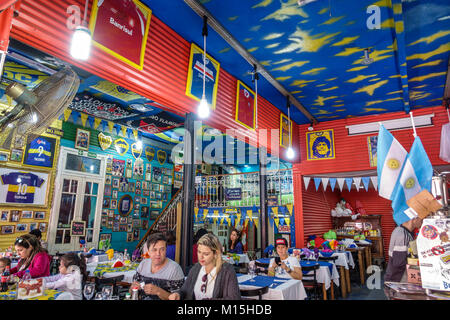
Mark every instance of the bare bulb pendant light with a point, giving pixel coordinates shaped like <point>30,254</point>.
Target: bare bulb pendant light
<point>80,47</point>
<point>290,154</point>
<point>203,108</point>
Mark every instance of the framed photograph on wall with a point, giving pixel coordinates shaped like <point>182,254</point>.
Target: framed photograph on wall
<point>114,204</point>
<point>106,203</point>
<point>154,214</point>
<point>108,190</point>
<point>43,227</point>
<point>144,224</point>
<point>4,215</point>
<point>4,156</point>
<point>14,216</point>
<point>144,212</point>
<point>105,236</point>
<point>108,179</point>
<point>27,214</point>
<point>129,237</point>
<point>8,229</point>
<point>115,194</point>
<point>144,200</point>
<point>82,139</point>
<point>22,227</point>
<point>33,226</point>
<point>16,155</point>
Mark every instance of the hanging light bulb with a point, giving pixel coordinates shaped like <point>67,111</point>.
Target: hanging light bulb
<point>203,108</point>
<point>80,47</point>
<point>139,144</point>
<point>290,153</point>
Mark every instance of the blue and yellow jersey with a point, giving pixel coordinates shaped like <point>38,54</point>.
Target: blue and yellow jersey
<point>22,186</point>
<point>39,153</point>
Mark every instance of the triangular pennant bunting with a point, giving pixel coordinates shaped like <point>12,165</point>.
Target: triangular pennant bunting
<point>67,114</point>
<point>84,117</point>
<point>332,183</point>
<point>341,182</point>
<point>374,182</point>
<point>75,116</point>
<point>325,183</point>
<point>97,122</point>
<point>366,181</point>
<point>357,182</point>
<point>306,181</point>
<point>349,183</point>
<point>317,183</point>
<point>110,126</point>
<point>91,122</point>
<point>289,208</point>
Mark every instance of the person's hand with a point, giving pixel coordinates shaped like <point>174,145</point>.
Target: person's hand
<point>174,296</point>
<point>151,289</point>
<point>284,267</point>
<point>134,285</point>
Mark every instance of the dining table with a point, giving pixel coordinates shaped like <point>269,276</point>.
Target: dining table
<point>344,260</point>
<point>361,251</point>
<point>243,258</point>
<point>49,294</point>
<point>279,288</point>
<point>104,270</point>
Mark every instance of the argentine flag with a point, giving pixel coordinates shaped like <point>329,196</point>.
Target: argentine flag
<point>391,157</point>
<point>416,176</point>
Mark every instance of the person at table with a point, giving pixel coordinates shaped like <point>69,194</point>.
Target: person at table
<point>160,274</point>
<point>32,257</point>
<point>38,234</point>
<point>72,275</point>
<point>210,278</point>
<point>4,262</point>
<point>171,241</point>
<point>234,243</point>
<point>289,267</point>
<point>398,250</point>
<point>200,233</point>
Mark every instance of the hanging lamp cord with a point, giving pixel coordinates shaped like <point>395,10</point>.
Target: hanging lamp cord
<point>255,79</point>
<point>204,34</point>
<point>289,121</point>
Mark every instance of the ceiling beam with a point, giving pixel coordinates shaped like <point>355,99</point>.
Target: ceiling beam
<point>220,29</point>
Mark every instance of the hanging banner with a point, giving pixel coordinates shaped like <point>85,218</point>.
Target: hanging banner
<point>374,182</point>
<point>245,106</point>
<point>136,151</point>
<point>349,182</point>
<point>366,181</point>
<point>285,133</point>
<point>320,145</point>
<point>306,181</point>
<point>341,182</point>
<point>121,146</point>
<point>357,182</point>
<point>372,143</point>
<point>39,151</point>
<point>194,84</point>
<point>161,156</point>
<point>325,183</point>
<point>120,28</point>
<point>317,182</point>
<point>149,153</point>
<point>332,183</point>
<point>104,141</point>
<point>289,208</point>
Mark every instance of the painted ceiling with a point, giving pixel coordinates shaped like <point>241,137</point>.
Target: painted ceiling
<point>316,51</point>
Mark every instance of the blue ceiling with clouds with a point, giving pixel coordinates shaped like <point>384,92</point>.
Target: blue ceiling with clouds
<point>316,51</point>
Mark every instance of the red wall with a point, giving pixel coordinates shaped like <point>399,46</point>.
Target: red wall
<point>317,207</point>
<point>42,24</point>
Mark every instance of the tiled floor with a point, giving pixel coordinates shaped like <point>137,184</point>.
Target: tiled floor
<point>362,292</point>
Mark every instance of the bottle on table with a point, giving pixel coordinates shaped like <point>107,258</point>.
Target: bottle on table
<point>27,275</point>
<point>128,296</point>
<point>135,294</point>
<point>7,273</point>
<point>4,282</point>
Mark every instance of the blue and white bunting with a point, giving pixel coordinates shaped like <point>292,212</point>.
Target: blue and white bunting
<point>317,182</point>
<point>366,181</point>
<point>349,182</point>
<point>332,183</point>
<point>391,157</point>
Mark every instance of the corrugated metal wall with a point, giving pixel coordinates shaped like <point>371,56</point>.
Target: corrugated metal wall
<point>374,204</point>
<point>42,24</point>
<point>317,207</point>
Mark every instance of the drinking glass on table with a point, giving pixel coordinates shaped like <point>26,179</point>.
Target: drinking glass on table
<point>89,290</point>
<point>252,271</point>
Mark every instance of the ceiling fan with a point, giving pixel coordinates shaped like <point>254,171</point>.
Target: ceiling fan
<point>36,109</point>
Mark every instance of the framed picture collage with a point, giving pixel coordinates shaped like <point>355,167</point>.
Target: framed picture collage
<point>135,193</point>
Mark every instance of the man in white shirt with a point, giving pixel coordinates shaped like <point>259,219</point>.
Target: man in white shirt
<point>287,267</point>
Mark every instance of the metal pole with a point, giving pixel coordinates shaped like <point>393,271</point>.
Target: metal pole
<point>263,197</point>
<point>188,193</point>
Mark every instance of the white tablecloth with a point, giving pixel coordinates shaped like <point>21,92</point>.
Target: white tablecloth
<point>65,296</point>
<point>344,259</point>
<point>128,275</point>
<point>323,275</point>
<point>243,258</point>
<point>290,290</point>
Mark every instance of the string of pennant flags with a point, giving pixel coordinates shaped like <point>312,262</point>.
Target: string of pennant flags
<point>99,124</point>
<point>341,182</point>
<point>242,216</point>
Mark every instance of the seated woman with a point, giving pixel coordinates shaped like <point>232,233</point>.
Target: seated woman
<point>32,257</point>
<point>210,278</point>
<point>287,267</point>
<point>234,243</point>
<point>72,275</point>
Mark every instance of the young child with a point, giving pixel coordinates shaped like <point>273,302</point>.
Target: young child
<point>72,274</point>
<point>4,262</point>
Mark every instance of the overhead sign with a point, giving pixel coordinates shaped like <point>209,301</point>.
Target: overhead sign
<point>86,103</point>
<point>121,29</point>
<point>233,193</point>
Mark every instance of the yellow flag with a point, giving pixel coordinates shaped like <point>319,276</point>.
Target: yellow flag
<point>277,221</point>
<point>84,117</point>
<point>245,223</point>
<point>249,214</point>
<point>237,220</point>
<point>275,211</point>
<point>124,131</point>
<point>135,134</point>
<point>110,126</point>
<point>97,122</point>
<point>256,223</point>
<point>196,213</point>
<point>287,221</point>
<point>215,220</point>
<point>67,114</point>
<point>290,207</point>
<point>205,213</point>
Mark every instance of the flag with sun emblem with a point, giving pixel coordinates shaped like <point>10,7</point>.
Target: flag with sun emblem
<point>415,177</point>
<point>391,157</point>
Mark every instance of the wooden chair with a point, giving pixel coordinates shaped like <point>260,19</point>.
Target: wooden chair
<point>254,292</point>
<point>310,281</point>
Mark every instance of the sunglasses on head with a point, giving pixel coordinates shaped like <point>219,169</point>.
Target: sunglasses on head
<point>205,280</point>
<point>20,240</point>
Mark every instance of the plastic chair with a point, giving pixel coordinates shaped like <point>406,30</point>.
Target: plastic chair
<point>254,292</point>
<point>310,281</point>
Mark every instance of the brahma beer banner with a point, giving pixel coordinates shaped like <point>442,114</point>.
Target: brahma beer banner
<point>245,106</point>
<point>120,27</point>
<point>194,85</point>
